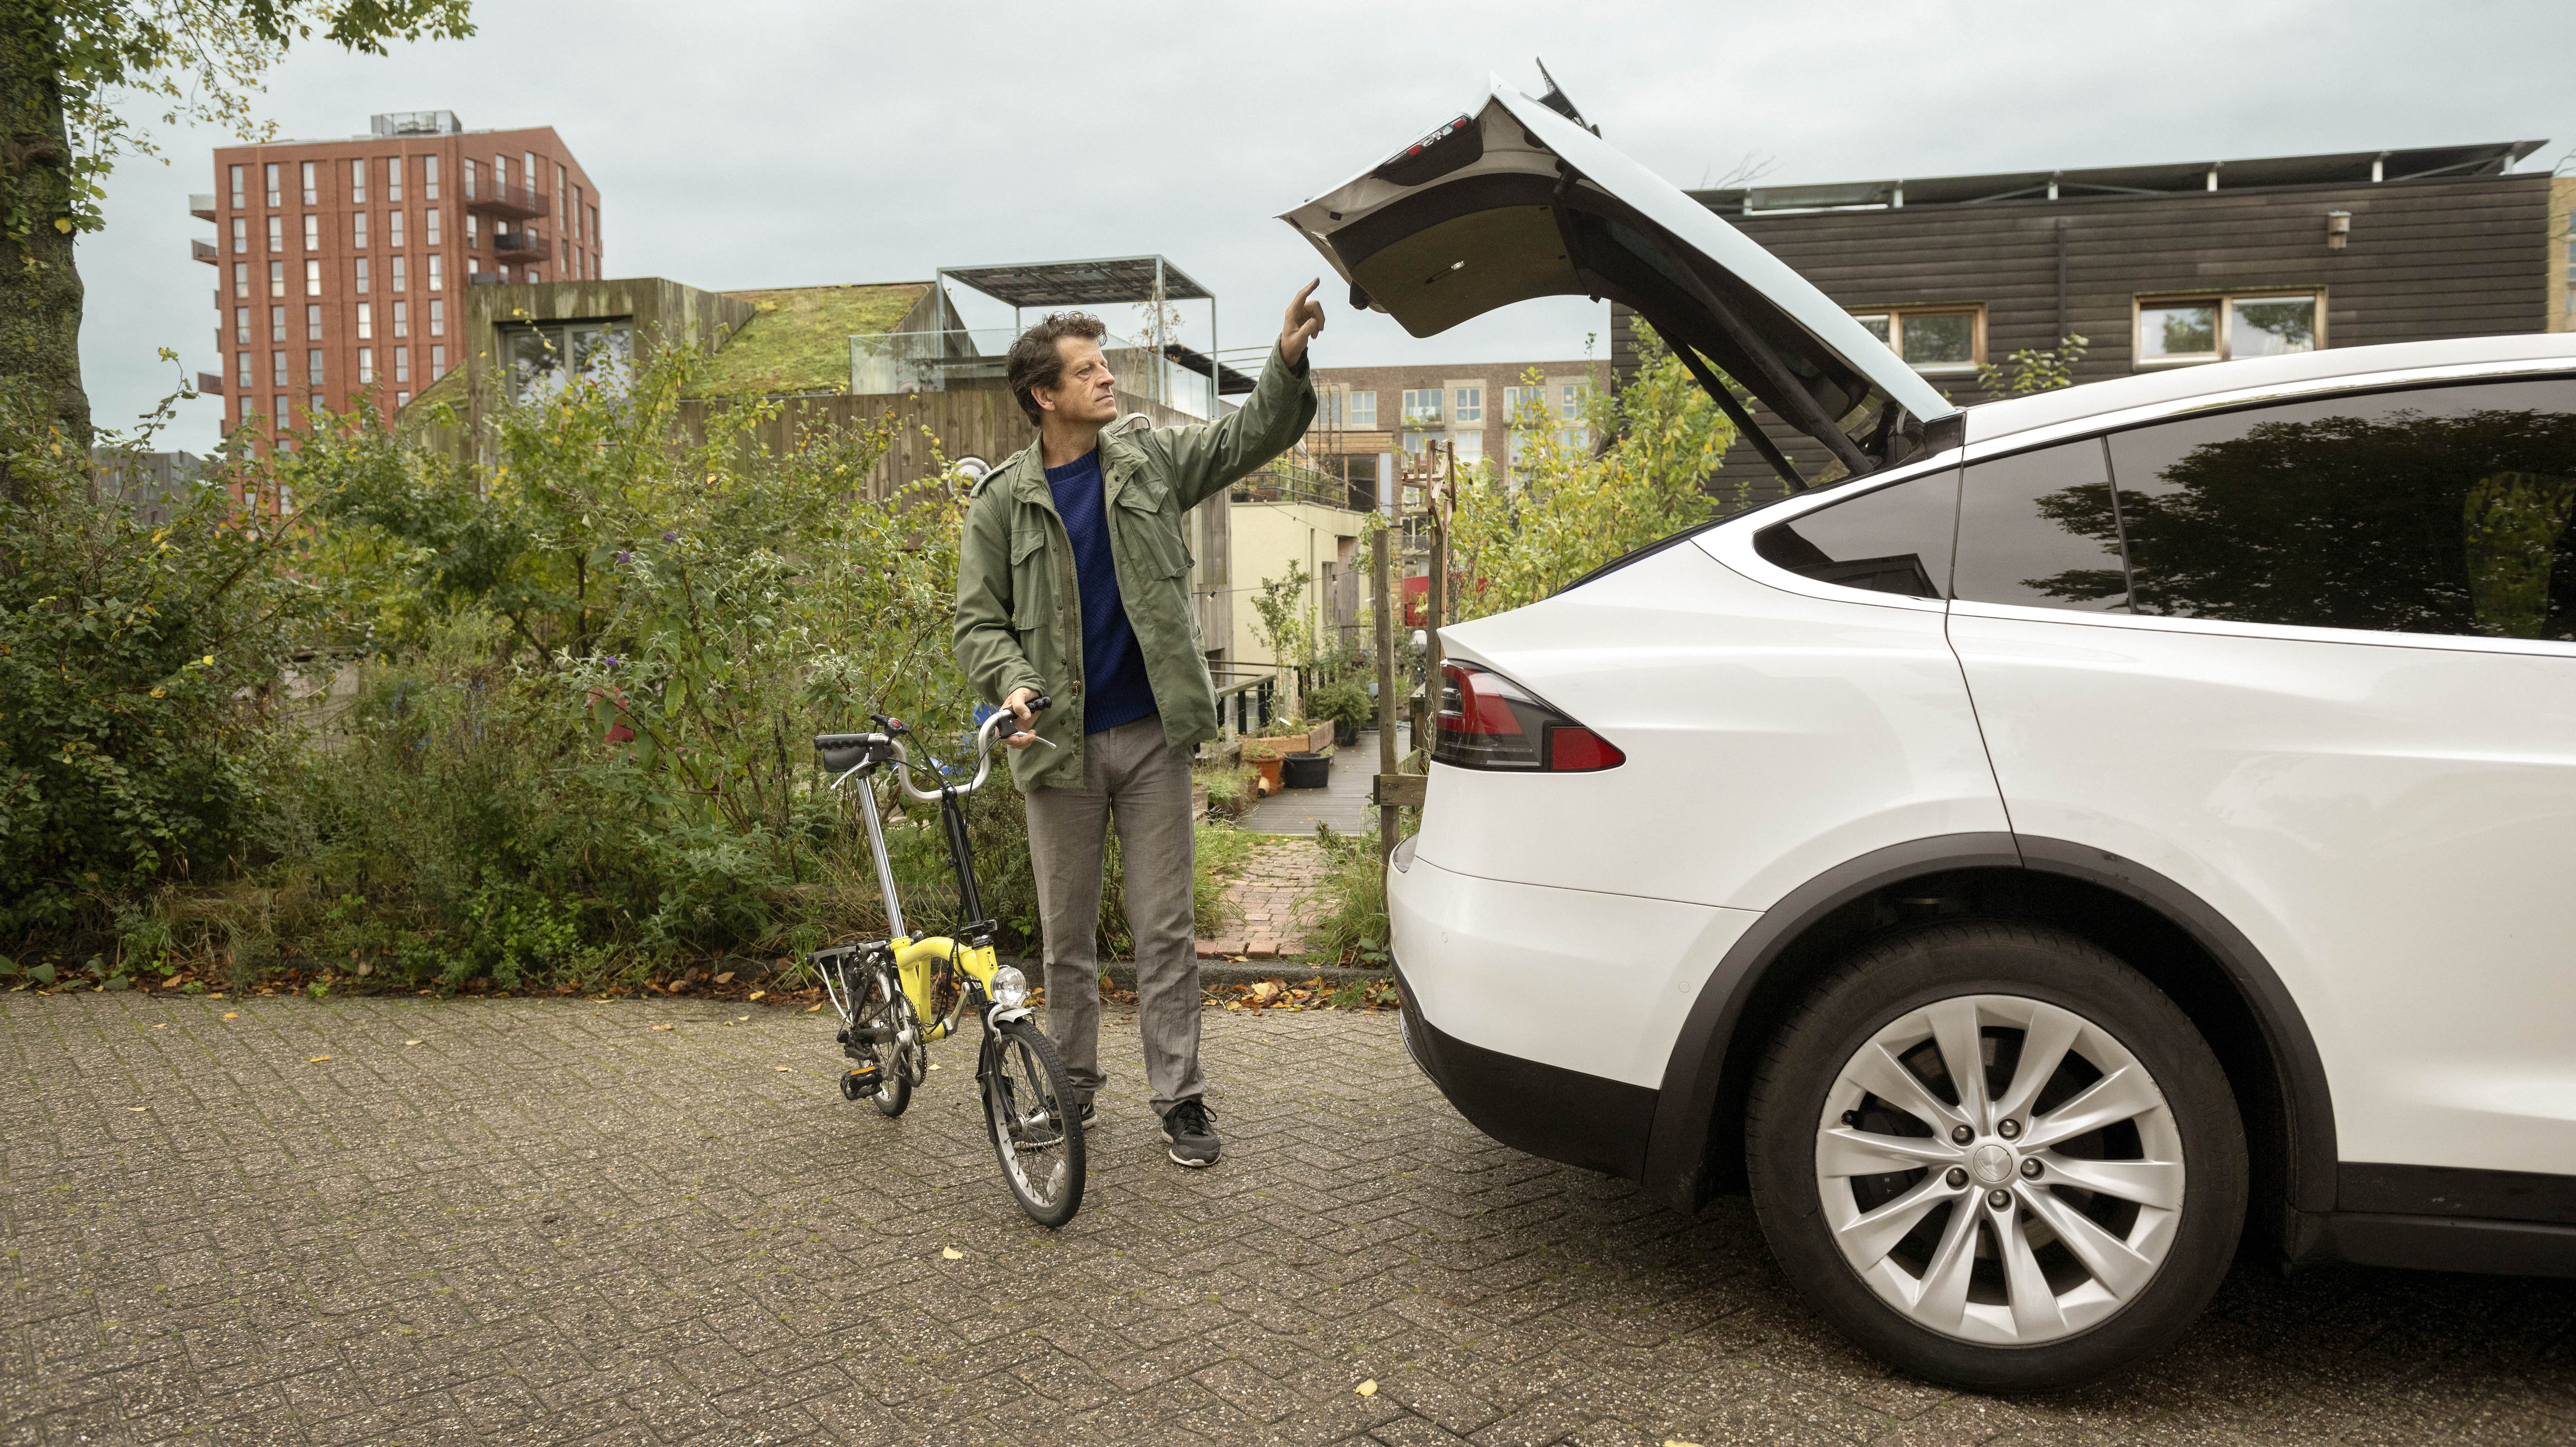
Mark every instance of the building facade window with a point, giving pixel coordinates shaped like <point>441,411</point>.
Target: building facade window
<point>277,324</point>
<point>358,230</point>
<point>402,361</point>
<point>277,278</point>
<point>366,365</point>
<point>2175,331</point>
<point>593,235</point>
<point>1522,404</point>
<point>241,236</point>
<point>313,367</point>
<point>399,283</point>
<point>1570,397</point>
<point>312,278</point>
<point>271,178</point>
<point>366,321</point>
<point>469,178</point>
<point>473,229</point>
<point>312,187</point>
<point>429,178</point>
<point>1932,340</point>
<point>241,324</point>
<point>312,232</point>
<point>1422,406</point>
<point>358,274</point>
<point>240,200</point>
<point>277,368</point>
<point>402,319</point>
<point>394,229</point>
<point>1363,413</point>
<point>1470,404</point>
<point>437,315</point>
<point>437,363</point>
<point>401,400</point>
<point>313,322</point>
<point>245,378</point>
<point>560,183</point>
<point>357,181</point>
<point>437,281</point>
<point>277,233</point>
<point>393,179</point>
<point>1468,447</point>
<point>429,224</point>
<point>241,279</point>
<point>277,404</point>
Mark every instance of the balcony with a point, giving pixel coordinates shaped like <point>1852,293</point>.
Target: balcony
<point>210,384</point>
<point>500,198</point>
<point>201,204</point>
<point>205,251</point>
<point>520,246</point>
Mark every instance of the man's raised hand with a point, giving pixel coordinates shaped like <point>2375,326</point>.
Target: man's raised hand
<point>1305,319</point>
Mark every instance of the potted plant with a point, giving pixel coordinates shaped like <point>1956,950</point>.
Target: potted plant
<point>1347,705</point>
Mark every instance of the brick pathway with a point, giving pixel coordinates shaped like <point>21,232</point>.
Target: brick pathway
<point>549,1222</point>
<point>1269,903</point>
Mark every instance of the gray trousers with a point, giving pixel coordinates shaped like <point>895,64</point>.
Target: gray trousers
<point>1130,775</point>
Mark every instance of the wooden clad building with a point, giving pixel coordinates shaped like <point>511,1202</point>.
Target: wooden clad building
<point>2169,265</point>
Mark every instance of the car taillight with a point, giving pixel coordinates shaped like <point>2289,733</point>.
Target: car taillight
<point>1486,721</point>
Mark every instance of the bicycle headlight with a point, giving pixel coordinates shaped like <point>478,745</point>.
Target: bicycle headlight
<point>1010,988</point>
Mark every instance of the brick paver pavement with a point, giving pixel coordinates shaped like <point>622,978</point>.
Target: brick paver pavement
<point>1270,903</point>
<point>550,1222</point>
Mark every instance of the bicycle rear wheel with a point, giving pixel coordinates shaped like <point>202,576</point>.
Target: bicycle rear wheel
<point>878,1007</point>
<point>1036,1134</point>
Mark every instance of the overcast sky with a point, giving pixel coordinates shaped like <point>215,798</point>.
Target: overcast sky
<point>778,144</point>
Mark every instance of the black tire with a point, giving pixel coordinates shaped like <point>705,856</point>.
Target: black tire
<point>1028,1112</point>
<point>879,1002</point>
<point>1874,997</point>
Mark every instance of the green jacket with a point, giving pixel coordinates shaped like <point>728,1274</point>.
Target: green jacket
<point>1019,610</point>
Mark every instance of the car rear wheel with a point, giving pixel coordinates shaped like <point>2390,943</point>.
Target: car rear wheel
<point>1997,1156</point>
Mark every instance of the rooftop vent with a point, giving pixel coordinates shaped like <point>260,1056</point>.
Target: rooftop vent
<point>416,123</point>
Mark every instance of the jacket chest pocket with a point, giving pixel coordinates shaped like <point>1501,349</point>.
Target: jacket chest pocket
<point>1032,590</point>
<point>1153,534</point>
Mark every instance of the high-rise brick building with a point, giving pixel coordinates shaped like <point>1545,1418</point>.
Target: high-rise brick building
<point>340,265</point>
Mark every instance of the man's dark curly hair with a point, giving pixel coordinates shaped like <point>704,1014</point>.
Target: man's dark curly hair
<point>1036,361</point>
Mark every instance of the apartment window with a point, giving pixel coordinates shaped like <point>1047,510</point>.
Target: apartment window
<point>272,184</point>
<point>472,265</point>
<point>241,324</point>
<point>313,367</point>
<point>593,235</point>
<point>560,203</point>
<point>1470,402</point>
<point>357,181</point>
<point>239,199</point>
<point>277,368</point>
<point>1570,398</point>
<point>366,321</point>
<point>1422,407</point>
<point>277,278</point>
<point>1932,339</point>
<point>312,232</point>
<point>402,360</point>
<point>437,313</point>
<point>399,284</point>
<point>572,216</point>
<point>277,324</point>
<point>429,178</point>
<point>312,278</point>
<point>529,274</point>
<point>430,225</point>
<point>241,278</point>
<point>313,322</point>
<point>540,357</point>
<point>1363,411</point>
<point>277,233</point>
<point>358,271</point>
<point>278,403</point>
<point>366,364</point>
<point>473,229</point>
<point>245,376</point>
<point>401,400</point>
<point>528,172</point>
<point>437,280</point>
<point>505,271</point>
<point>470,170</point>
<point>394,229</point>
<point>312,188</point>
<point>358,230</point>
<point>402,319</point>
<point>437,358</point>
<point>393,179</point>
<point>2182,330</point>
<point>1469,446</point>
<point>1520,403</point>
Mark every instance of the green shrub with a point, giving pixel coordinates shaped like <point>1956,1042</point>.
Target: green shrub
<point>1346,704</point>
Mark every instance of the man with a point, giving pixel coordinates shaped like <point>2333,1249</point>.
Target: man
<point>1073,581</point>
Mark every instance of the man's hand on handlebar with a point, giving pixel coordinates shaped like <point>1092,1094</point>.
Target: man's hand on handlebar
<point>1024,719</point>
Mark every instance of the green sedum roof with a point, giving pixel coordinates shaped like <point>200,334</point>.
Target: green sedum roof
<point>800,341</point>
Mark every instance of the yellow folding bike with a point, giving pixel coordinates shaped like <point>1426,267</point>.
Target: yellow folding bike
<point>897,995</point>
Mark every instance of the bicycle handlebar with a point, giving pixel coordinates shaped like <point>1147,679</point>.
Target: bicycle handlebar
<point>845,754</point>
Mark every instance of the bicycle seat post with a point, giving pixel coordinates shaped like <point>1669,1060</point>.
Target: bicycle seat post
<point>877,852</point>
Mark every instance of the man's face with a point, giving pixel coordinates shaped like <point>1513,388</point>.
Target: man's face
<point>1086,392</point>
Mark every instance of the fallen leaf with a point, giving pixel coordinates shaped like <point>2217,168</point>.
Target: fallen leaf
<point>934,1065</point>
<point>1677,1442</point>
<point>138,1108</point>
<point>232,1014</point>
<point>783,1069</point>
<point>817,1005</point>
<point>725,979</point>
<point>951,1253</point>
<point>662,1027</point>
<point>757,994</point>
<point>1367,1388</point>
<point>411,1042</point>
<point>162,1026</point>
<point>315,1059</point>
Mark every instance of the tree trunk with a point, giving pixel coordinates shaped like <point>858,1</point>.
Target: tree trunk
<point>40,291</point>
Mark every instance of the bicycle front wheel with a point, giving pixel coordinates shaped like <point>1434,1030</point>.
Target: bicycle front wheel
<point>1028,1107</point>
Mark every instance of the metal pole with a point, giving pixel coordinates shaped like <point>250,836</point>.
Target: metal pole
<point>1437,589</point>
<point>1387,819</point>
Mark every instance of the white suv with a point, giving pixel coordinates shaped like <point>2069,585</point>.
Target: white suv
<point>2101,827</point>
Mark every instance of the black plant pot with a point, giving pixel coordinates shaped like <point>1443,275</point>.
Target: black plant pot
<point>1305,771</point>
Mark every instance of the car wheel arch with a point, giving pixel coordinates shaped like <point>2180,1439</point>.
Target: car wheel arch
<point>1694,1150</point>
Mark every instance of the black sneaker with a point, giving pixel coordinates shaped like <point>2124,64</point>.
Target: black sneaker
<point>1191,1129</point>
<point>1087,1112</point>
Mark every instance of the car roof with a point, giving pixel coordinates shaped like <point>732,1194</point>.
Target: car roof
<point>1990,422</point>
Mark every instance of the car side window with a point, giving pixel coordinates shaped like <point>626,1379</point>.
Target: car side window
<point>1889,540</point>
<point>2427,510</point>
<point>2039,529</point>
